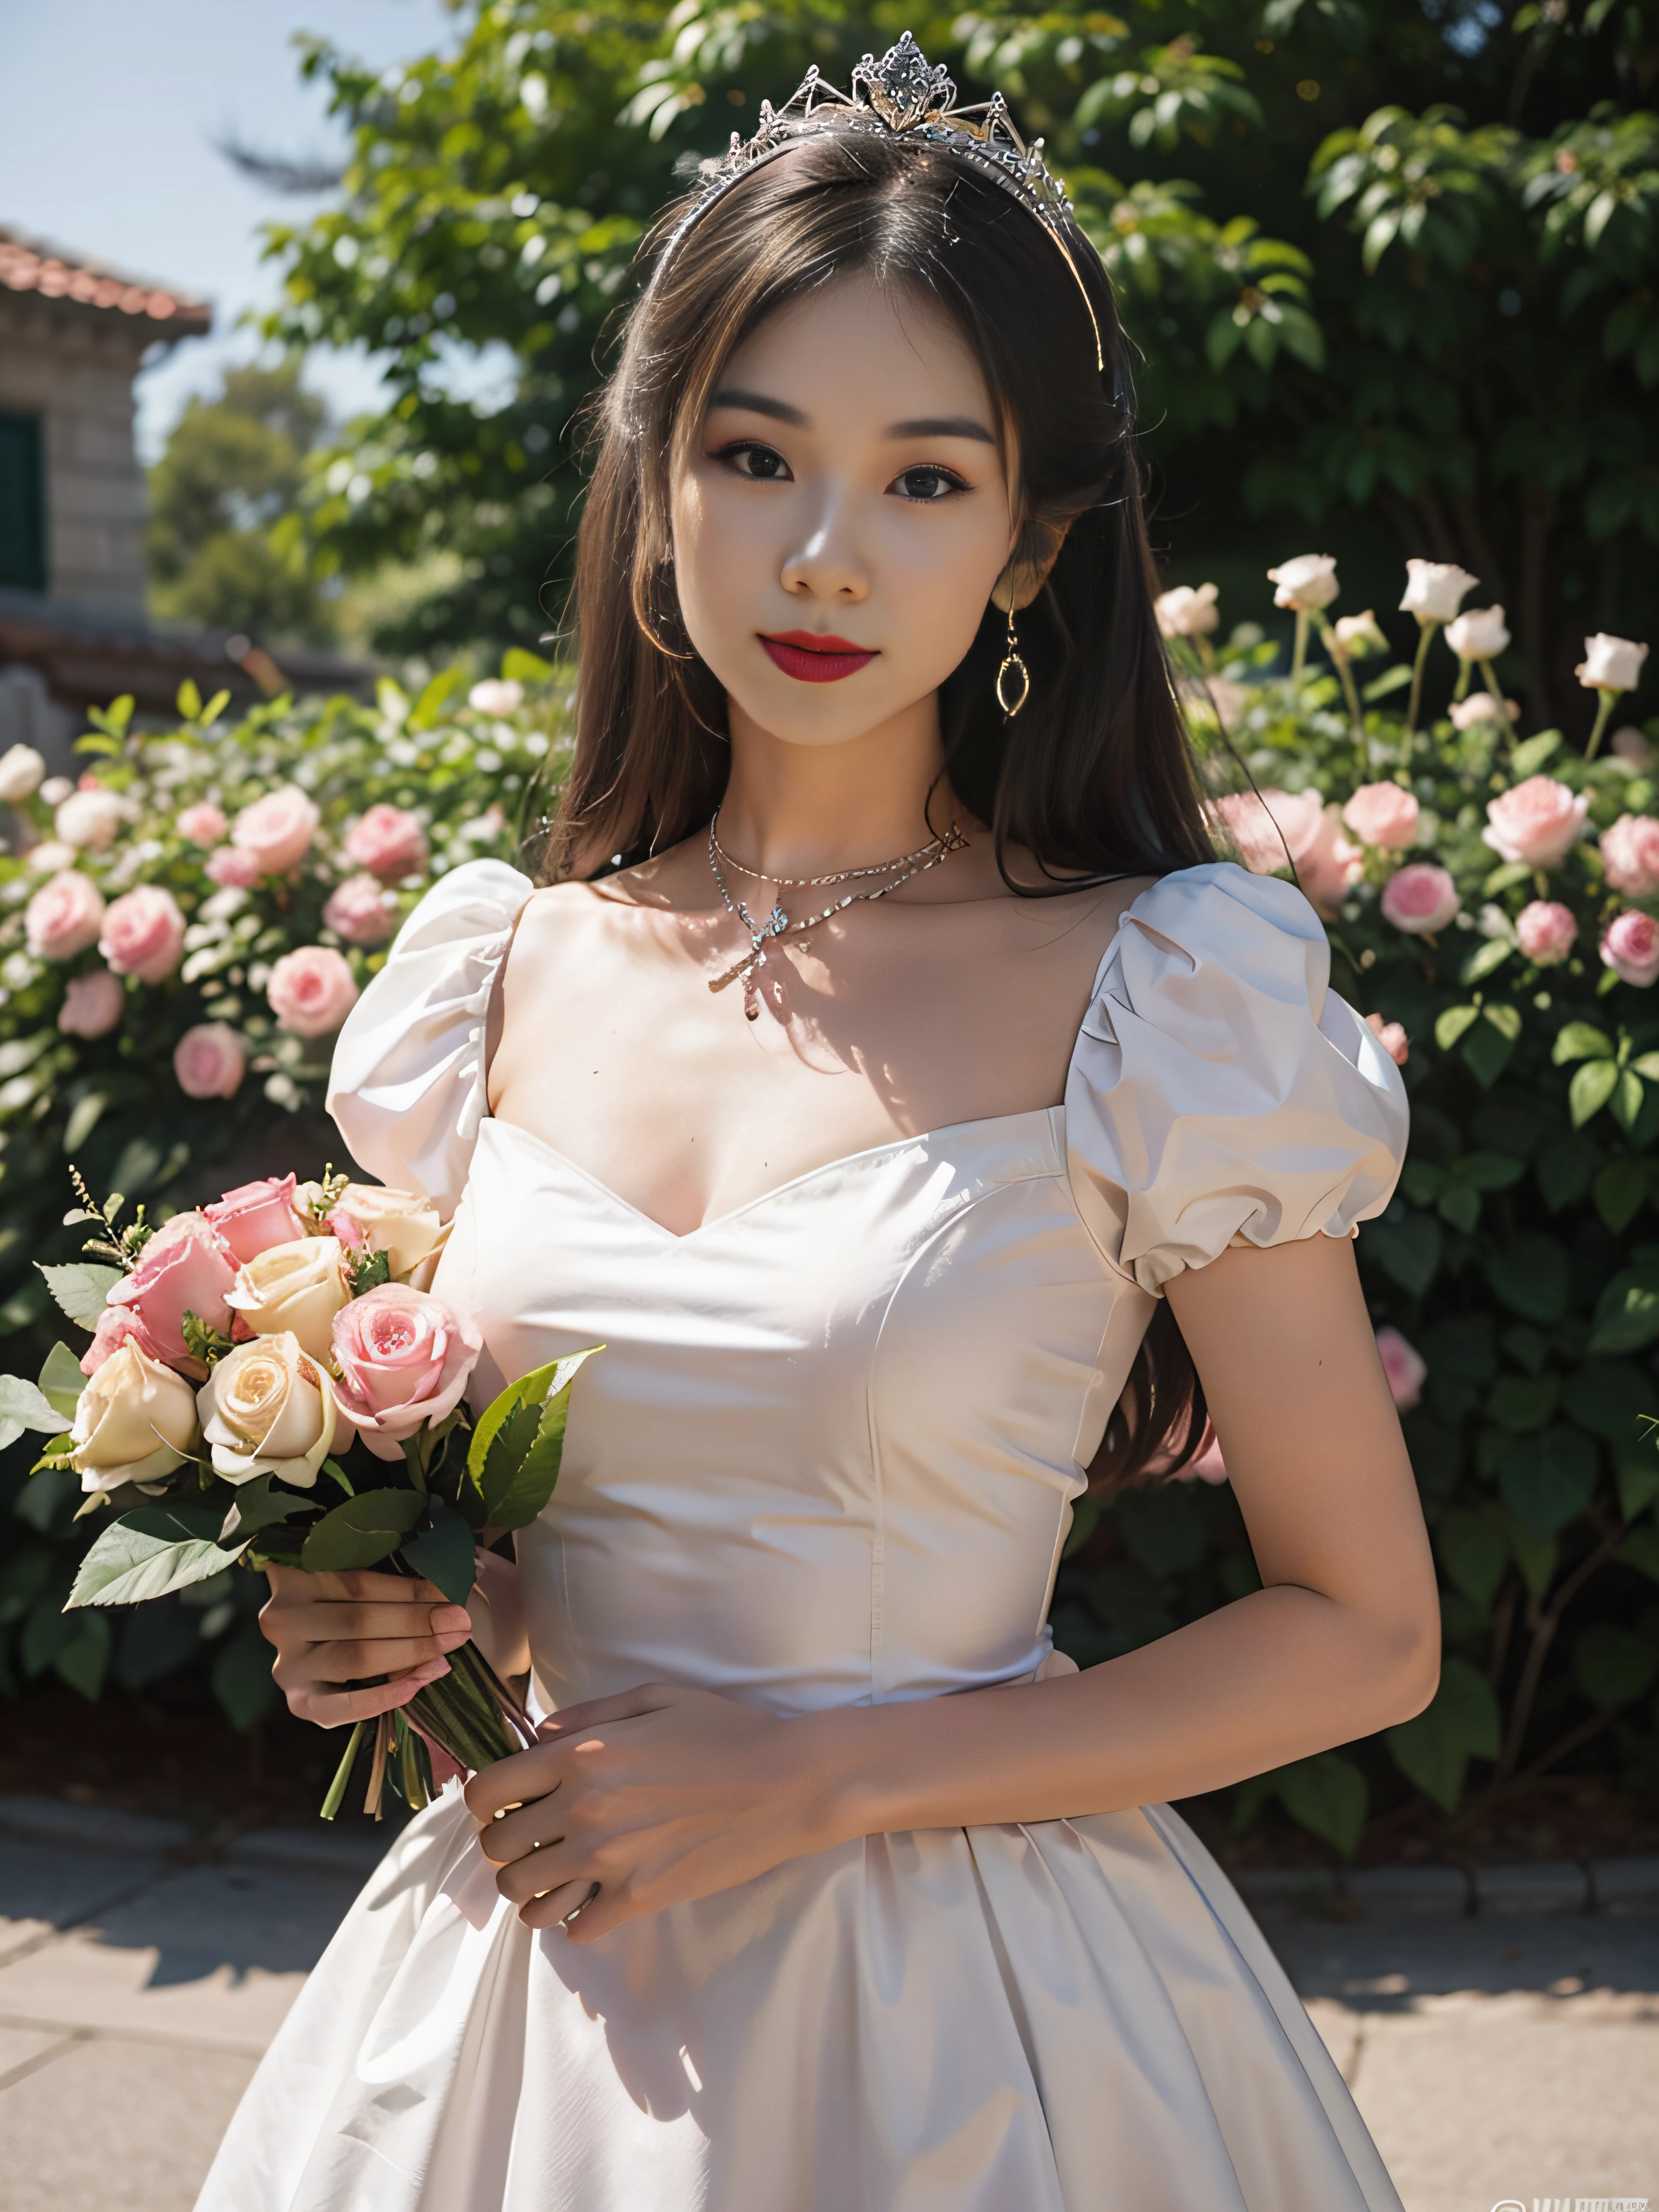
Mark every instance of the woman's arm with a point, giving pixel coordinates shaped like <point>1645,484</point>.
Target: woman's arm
<point>668,1794</point>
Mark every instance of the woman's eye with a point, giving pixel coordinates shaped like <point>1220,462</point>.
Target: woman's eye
<point>763,463</point>
<point>927,485</point>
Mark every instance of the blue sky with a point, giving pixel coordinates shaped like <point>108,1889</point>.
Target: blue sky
<point>112,110</point>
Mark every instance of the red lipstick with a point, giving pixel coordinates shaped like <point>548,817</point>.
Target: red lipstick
<point>812,658</point>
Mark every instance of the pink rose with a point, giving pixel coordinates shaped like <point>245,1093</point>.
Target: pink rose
<point>388,841</point>
<point>144,934</point>
<point>1546,932</point>
<point>232,870</point>
<point>92,1004</point>
<point>1383,814</point>
<point>1630,948</point>
<point>202,824</point>
<point>1405,1367</point>
<point>312,991</point>
<point>254,1216</point>
<point>210,1062</point>
<point>360,911</point>
<point>1265,827</point>
<point>64,917</point>
<point>1537,821</point>
<point>1391,1036</point>
<point>403,1359</point>
<point>184,1269</point>
<point>1420,899</point>
<point>1629,854</point>
<point>116,1325</point>
<point>276,831</point>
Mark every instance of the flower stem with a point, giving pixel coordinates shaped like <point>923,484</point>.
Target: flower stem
<point>1602,711</point>
<point>1465,669</point>
<point>1299,650</point>
<point>1349,688</point>
<point>1425,632</point>
<point>337,1789</point>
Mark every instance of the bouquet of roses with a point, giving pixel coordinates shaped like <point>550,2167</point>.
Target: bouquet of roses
<point>270,1381</point>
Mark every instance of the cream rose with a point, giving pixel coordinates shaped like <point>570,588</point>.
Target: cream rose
<point>1480,634</point>
<point>1434,589</point>
<point>403,1224</point>
<point>1610,664</point>
<point>1184,612</point>
<point>1359,635</point>
<point>89,817</point>
<point>293,1289</point>
<point>269,1408</point>
<point>497,696</point>
<point>21,770</point>
<point>136,1421</point>
<point>1307,583</point>
<point>1481,707</point>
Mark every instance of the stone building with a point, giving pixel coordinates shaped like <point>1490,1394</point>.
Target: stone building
<point>74,333</point>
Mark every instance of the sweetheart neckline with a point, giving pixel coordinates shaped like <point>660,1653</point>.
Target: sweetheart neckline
<point>985,1121</point>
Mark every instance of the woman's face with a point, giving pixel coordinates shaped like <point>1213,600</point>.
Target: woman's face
<point>840,515</point>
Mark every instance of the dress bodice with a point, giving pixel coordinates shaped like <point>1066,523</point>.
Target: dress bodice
<point>829,1452</point>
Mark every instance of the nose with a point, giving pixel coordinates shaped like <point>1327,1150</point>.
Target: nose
<point>826,563</point>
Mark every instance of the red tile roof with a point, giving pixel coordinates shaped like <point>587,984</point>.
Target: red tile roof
<point>30,264</point>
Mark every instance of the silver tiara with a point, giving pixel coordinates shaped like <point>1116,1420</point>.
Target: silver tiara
<point>901,93</point>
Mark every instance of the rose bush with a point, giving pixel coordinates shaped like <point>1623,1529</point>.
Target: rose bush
<point>1503,928</point>
<point>155,1029</point>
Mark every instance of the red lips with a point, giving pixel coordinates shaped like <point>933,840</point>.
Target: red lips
<point>812,658</point>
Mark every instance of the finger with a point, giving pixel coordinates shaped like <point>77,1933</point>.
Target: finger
<point>559,1862</point>
<point>570,1899</point>
<point>626,1705</point>
<point>532,1827</point>
<point>333,1709</point>
<point>349,1661</point>
<point>514,1780</point>
<point>367,1584</point>
<point>597,1916</point>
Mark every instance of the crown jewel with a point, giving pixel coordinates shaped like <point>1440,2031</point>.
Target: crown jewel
<point>902,92</point>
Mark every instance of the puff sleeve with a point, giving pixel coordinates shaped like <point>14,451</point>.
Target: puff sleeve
<point>1220,1091</point>
<point>407,1085</point>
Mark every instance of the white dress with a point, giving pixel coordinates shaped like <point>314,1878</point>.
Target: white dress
<point>828,1457</point>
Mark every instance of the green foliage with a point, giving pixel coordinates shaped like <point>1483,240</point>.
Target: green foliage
<point>232,471</point>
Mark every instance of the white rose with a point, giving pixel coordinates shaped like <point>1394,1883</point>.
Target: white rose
<point>1610,664</point>
<point>497,696</point>
<point>402,1224</point>
<point>56,789</point>
<point>1434,589</point>
<point>21,770</point>
<point>135,1422</point>
<point>293,1289</point>
<point>268,1408</point>
<point>1184,612</point>
<point>1480,634</point>
<point>1307,583</point>
<point>51,859</point>
<point>1481,707</point>
<point>1359,635</point>
<point>89,817</point>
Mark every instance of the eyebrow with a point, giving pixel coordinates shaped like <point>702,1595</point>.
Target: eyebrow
<point>925,426</point>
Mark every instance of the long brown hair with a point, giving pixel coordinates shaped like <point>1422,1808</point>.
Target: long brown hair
<point>1098,781</point>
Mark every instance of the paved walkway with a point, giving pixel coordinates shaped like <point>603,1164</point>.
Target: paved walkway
<point>1513,2058</point>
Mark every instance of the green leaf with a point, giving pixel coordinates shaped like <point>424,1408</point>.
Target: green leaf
<point>189,700</point>
<point>1526,759</point>
<point>1328,1795</point>
<point>1392,679</point>
<point>1548,1481</point>
<point>148,1552</point>
<point>443,1553</point>
<point>1480,963</point>
<point>84,1117</point>
<point>1564,1168</point>
<point>1590,1089</point>
<point>1490,1170</point>
<point>1626,1099</point>
<point>1611,1666</point>
<point>1505,878</point>
<point>23,1406</point>
<point>367,1271</point>
<point>1627,1312</point>
<point>1609,1397</point>
<point>1460,1204</point>
<point>1433,1750</point>
<point>362,1532</point>
<point>1407,1249</point>
<point>1475,1553</point>
<point>257,1506</point>
<point>241,1676</point>
<point>82,1290</point>
<point>519,666</point>
<point>82,1659</point>
<point>1620,1193</point>
<point>62,1380</point>
<point>428,708</point>
<point>1452,1024</point>
<point>516,1480</point>
<point>1529,1276</point>
<point>1582,1040</point>
<point>1490,1043</point>
<point>1521,1403</point>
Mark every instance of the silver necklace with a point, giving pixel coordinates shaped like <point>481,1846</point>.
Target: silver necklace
<point>778,924</point>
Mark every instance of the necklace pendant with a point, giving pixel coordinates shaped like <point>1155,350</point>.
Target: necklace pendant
<point>750,999</point>
<point>779,922</point>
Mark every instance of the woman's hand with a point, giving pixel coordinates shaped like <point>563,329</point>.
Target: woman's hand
<point>658,1795</point>
<point>332,1629</point>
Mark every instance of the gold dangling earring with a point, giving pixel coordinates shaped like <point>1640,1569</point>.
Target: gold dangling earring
<point>1013,671</point>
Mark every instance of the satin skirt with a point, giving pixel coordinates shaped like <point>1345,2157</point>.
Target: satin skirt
<point>1073,2016</point>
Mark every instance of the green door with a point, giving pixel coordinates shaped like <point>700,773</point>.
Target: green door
<point>22,504</point>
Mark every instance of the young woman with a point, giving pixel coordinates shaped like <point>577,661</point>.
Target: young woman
<point>889,1076</point>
